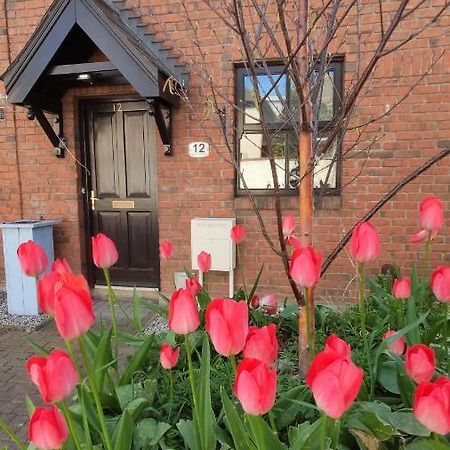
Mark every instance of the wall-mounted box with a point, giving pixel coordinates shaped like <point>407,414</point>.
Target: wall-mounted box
<point>212,235</point>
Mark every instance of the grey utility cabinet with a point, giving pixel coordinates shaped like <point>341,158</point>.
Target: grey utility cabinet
<point>20,288</point>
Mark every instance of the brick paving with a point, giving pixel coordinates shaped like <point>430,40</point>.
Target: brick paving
<point>14,351</point>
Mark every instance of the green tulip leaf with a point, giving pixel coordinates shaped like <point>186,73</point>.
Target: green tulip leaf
<point>148,432</point>
<point>139,359</point>
<point>123,432</point>
<point>187,431</point>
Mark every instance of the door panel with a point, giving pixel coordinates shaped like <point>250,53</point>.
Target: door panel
<point>121,145</point>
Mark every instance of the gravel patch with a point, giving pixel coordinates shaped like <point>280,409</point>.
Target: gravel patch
<point>156,325</point>
<point>16,322</point>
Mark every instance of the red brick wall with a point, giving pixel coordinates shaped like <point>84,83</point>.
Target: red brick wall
<point>413,132</point>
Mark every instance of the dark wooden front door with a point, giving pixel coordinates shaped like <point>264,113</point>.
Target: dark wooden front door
<point>120,142</point>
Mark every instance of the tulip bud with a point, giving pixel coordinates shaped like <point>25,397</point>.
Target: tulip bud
<point>204,262</point>
<point>365,243</point>
<point>398,346</point>
<point>262,344</point>
<point>193,285</point>
<point>338,346</point>
<point>440,283</point>
<point>61,266</point>
<point>168,357</point>
<point>54,375</point>
<point>420,362</point>
<point>104,251</point>
<point>46,292</point>
<point>166,249</point>
<point>402,288</point>
<point>32,258</point>
<point>47,429</point>
<point>183,312</point>
<point>288,224</point>
<point>255,386</point>
<point>431,405</point>
<point>227,325</point>
<point>237,234</point>
<point>305,267</point>
<point>431,215</point>
<point>269,303</point>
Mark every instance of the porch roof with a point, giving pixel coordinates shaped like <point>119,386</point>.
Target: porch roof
<point>59,55</point>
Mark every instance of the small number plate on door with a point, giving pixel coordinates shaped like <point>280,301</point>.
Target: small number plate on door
<point>123,204</point>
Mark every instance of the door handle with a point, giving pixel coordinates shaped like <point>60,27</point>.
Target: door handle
<point>92,199</point>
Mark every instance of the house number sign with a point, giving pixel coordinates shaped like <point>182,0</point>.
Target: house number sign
<point>198,149</point>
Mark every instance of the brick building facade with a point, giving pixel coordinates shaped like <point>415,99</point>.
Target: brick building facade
<point>36,184</point>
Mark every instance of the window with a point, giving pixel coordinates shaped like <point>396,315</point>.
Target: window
<point>280,111</point>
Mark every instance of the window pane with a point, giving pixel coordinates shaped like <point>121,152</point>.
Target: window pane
<point>273,106</point>
<point>324,170</point>
<point>255,165</point>
<point>326,106</point>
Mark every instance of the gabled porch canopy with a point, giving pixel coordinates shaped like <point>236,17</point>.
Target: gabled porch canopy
<point>99,42</point>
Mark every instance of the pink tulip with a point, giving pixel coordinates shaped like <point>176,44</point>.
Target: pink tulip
<point>432,405</point>
<point>183,312</point>
<point>398,346</point>
<point>288,224</point>
<point>61,266</point>
<point>237,234</point>
<point>74,311</point>
<point>47,429</point>
<point>46,292</point>
<point>32,258</point>
<point>255,386</point>
<point>168,356</point>
<point>402,288</point>
<point>420,363</point>
<point>104,251</point>
<point>338,346</point>
<point>335,383</point>
<point>193,285</point>
<point>305,266</point>
<point>254,302</point>
<point>269,303</point>
<point>262,344</point>
<point>204,262</point>
<point>440,283</point>
<point>365,243</point>
<point>227,325</point>
<point>54,375</point>
<point>166,249</point>
<point>431,219</point>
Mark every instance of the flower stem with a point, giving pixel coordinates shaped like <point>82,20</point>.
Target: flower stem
<point>111,301</point>
<point>191,371</point>
<point>233,365</point>
<point>98,405</point>
<point>362,315</point>
<point>13,436</point>
<point>170,393</point>
<point>323,431</point>
<point>241,268</point>
<point>255,425</point>
<point>337,431</point>
<point>309,309</point>
<point>444,333</point>
<point>70,423</point>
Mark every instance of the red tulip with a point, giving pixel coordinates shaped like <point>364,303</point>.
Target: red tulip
<point>269,303</point>
<point>104,251</point>
<point>237,234</point>
<point>432,405</point>
<point>398,346</point>
<point>334,382</point>
<point>168,357</point>
<point>46,292</point>
<point>47,429</point>
<point>365,243</point>
<point>431,219</point>
<point>61,266</point>
<point>74,311</point>
<point>227,325</point>
<point>54,375</point>
<point>183,312</point>
<point>440,283</point>
<point>166,249</point>
<point>420,362</point>
<point>255,386</point>
<point>204,262</point>
<point>288,224</point>
<point>262,344</point>
<point>402,288</point>
<point>305,266</point>
<point>193,285</point>
<point>32,258</point>
<point>338,346</point>
<point>254,302</point>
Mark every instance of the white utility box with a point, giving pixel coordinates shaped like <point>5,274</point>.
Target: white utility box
<point>212,235</point>
<point>20,288</point>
